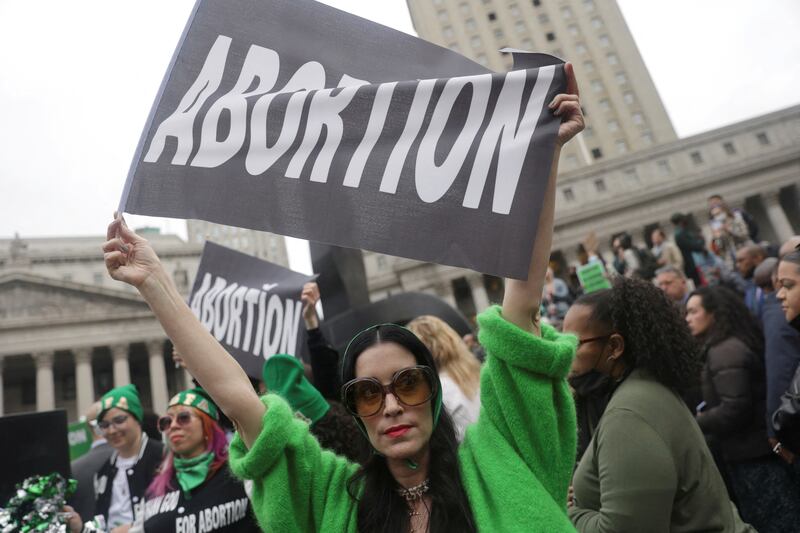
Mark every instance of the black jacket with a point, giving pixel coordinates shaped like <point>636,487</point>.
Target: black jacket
<point>139,477</point>
<point>219,504</point>
<point>734,389</point>
<point>786,419</point>
<point>83,470</point>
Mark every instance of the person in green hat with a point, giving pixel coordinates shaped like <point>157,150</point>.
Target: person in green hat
<point>122,480</point>
<point>329,421</point>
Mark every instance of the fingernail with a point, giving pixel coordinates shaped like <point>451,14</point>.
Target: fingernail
<point>552,104</point>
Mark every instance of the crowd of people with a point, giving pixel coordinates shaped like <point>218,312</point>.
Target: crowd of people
<point>667,402</point>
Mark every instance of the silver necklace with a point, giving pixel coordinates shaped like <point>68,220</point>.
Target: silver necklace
<point>414,493</point>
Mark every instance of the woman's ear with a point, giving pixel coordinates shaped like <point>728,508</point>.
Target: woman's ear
<point>616,346</point>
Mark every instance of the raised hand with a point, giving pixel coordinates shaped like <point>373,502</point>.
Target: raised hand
<point>128,257</point>
<point>310,297</point>
<point>568,107</point>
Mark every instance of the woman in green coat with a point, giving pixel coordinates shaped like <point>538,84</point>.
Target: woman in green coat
<point>511,473</point>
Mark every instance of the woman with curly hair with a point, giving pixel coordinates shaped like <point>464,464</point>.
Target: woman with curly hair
<point>459,370</point>
<point>733,411</point>
<point>648,467</point>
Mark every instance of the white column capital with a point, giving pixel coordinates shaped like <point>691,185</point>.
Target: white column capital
<point>155,346</point>
<point>43,359</point>
<point>82,355</point>
<point>119,351</point>
<point>771,197</point>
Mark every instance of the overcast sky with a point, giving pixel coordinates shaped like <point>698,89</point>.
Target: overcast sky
<point>77,80</point>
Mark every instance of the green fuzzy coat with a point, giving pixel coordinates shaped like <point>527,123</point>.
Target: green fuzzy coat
<point>516,460</point>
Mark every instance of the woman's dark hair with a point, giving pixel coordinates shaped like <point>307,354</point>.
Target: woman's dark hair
<point>793,257</point>
<point>657,338</point>
<point>380,507</point>
<point>732,318</point>
<point>338,432</point>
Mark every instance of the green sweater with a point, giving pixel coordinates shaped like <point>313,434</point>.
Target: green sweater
<point>648,468</point>
<point>516,459</point>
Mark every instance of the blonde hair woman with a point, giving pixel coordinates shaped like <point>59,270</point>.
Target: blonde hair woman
<point>459,370</point>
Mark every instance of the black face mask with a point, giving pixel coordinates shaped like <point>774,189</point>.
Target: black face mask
<point>592,383</point>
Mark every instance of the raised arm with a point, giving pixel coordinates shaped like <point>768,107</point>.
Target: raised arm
<point>522,298</point>
<point>131,259</point>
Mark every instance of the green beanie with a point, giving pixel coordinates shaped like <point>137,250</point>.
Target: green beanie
<point>284,375</point>
<point>197,398</point>
<point>125,398</point>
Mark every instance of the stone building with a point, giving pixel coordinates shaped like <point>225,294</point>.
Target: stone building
<point>261,244</point>
<point>68,332</point>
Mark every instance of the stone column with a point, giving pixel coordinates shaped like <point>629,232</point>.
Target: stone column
<point>479,295</point>
<point>158,376</point>
<point>122,370</point>
<point>777,216</point>
<point>45,387</point>
<point>84,383</point>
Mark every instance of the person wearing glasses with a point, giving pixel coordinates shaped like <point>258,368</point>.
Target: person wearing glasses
<point>647,466</point>
<point>511,473</point>
<point>122,480</point>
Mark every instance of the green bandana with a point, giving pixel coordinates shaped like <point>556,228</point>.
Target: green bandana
<point>125,398</point>
<point>285,376</point>
<point>192,472</point>
<point>197,398</point>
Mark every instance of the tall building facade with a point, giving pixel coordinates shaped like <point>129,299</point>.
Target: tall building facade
<point>623,110</point>
<point>260,244</point>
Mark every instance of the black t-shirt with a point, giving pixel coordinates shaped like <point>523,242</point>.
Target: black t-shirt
<point>219,504</point>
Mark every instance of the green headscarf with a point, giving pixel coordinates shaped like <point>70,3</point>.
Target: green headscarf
<point>284,375</point>
<point>125,398</point>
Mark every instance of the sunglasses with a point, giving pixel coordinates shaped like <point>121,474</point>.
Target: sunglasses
<point>116,420</point>
<point>165,422</point>
<point>411,386</point>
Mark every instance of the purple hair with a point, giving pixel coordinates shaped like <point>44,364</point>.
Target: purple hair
<point>217,443</point>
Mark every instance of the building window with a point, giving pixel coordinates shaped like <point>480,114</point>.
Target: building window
<point>475,41</point>
<point>67,277</point>
<point>470,25</point>
<point>580,48</point>
<point>605,105</point>
<point>527,44</point>
<point>631,177</point>
<point>381,260</point>
<point>437,2</point>
<point>98,278</point>
<point>543,18</point>
<point>663,167</point>
<point>566,12</point>
<point>572,161</point>
<point>597,86</point>
<point>498,33</point>
<point>628,97</point>
<point>613,125</point>
<point>600,185</point>
<point>647,138</point>
<point>492,17</point>
<point>730,149</point>
<point>621,78</point>
<point>551,36</point>
<point>622,146</point>
<point>589,5</point>
<point>597,22</point>
<point>520,27</point>
<point>697,158</point>
<point>537,3</point>
<point>447,32</point>
<point>464,7</point>
<point>573,29</point>
<point>569,194</point>
<point>612,59</point>
<point>763,140</point>
<point>588,66</point>
<point>514,10</point>
<point>588,132</point>
<point>443,17</point>
<point>637,118</point>
<point>597,153</point>
<point>605,42</point>
<point>483,60</point>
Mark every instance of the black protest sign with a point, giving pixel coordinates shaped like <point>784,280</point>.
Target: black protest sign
<point>296,118</point>
<point>251,306</point>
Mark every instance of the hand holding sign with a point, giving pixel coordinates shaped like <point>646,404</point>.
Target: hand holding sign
<point>128,257</point>
<point>310,297</point>
<point>568,107</point>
